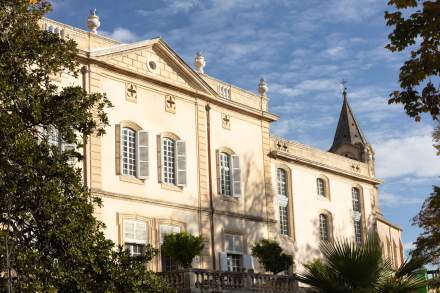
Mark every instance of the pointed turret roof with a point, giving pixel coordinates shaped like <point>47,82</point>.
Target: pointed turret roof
<point>348,130</point>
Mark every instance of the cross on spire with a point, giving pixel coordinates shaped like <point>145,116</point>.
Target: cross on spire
<point>344,88</point>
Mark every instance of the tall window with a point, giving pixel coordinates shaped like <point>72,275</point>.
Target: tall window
<point>234,252</point>
<point>324,227</point>
<point>283,201</point>
<point>169,156</point>
<point>225,174</point>
<point>135,237</point>
<point>320,186</point>
<point>167,263</point>
<point>356,198</point>
<point>128,152</point>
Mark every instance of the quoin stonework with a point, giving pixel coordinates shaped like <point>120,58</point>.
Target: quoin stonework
<point>188,152</point>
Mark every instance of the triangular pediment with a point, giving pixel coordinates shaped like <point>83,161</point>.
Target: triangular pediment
<point>154,59</point>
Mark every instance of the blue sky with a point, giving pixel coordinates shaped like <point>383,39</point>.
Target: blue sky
<point>303,49</point>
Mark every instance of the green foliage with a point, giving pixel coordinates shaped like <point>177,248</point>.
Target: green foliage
<point>419,32</point>
<point>55,244</point>
<point>129,274</point>
<point>348,268</point>
<point>271,255</point>
<point>428,242</point>
<point>182,247</point>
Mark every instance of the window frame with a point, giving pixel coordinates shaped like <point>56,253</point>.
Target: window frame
<point>134,242</point>
<point>283,201</point>
<point>223,171</point>
<point>329,223</point>
<point>166,159</point>
<point>234,254</point>
<point>133,152</point>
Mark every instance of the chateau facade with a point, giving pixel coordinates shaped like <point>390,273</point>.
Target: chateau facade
<point>187,152</point>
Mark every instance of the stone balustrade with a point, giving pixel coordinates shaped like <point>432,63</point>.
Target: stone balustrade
<point>199,280</point>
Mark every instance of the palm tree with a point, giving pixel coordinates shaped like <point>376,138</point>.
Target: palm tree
<point>348,267</point>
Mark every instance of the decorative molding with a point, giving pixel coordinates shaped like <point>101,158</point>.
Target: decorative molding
<point>226,121</point>
<point>131,92</point>
<point>291,157</point>
<point>139,198</point>
<point>170,104</point>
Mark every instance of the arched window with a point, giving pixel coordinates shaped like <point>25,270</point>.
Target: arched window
<point>324,228</point>
<point>225,174</point>
<point>169,163</point>
<point>356,199</point>
<point>128,152</point>
<point>283,201</point>
<point>320,186</point>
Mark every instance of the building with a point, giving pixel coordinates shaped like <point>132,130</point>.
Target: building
<point>186,151</point>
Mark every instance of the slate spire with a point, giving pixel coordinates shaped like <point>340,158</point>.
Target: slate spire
<point>349,140</point>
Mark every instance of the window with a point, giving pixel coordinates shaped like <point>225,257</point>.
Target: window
<point>358,231</point>
<point>128,152</point>
<point>230,174</point>
<point>169,156</point>
<point>320,185</point>
<point>356,199</point>
<point>234,252</point>
<point>173,161</point>
<point>135,237</point>
<point>167,263</point>
<point>283,201</point>
<point>225,174</point>
<point>324,227</point>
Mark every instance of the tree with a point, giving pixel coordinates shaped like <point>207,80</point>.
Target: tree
<point>50,240</point>
<point>271,256</point>
<point>428,242</point>
<point>182,247</point>
<point>420,32</point>
<point>348,267</point>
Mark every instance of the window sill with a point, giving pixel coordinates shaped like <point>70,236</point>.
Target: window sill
<point>130,179</point>
<point>321,197</point>
<point>171,187</point>
<point>229,198</point>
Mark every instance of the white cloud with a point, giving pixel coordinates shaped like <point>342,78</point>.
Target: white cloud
<point>123,35</point>
<point>410,154</point>
<point>391,199</point>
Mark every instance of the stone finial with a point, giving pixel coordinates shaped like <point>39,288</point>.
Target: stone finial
<point>262,87</point>
<point>199,62</point>
<point>93,22</point>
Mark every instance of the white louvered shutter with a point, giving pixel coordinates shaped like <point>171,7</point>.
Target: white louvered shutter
<point>142,154</point>
<point>236,176</point>
<point>180,163</point>
<point>223,261</point>
<point>248,262</point>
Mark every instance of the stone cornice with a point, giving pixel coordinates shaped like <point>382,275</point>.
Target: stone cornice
<point>318,165</point>
<point>381,219</point>
<point>103,193</point>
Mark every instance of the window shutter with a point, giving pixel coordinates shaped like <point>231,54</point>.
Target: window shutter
<point>236,176</point>
<point>160,169</point>
<point>248,262</point>
<point>223,261</point>
<point>118,149</point>
<point>180,163</point>
<point>142,154</point>
<point>217,158</point>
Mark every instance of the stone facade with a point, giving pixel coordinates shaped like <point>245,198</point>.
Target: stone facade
<point>156,93</point>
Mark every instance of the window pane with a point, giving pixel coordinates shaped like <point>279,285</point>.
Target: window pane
<point>358,231</point>
<point>234,262</point>
<point>284,223</point>
<point>320,184</point>
<point>356,199</point>
<point>282,182</point>
<point>128,152</point>
<point>135,249</point>
<point>225,174</point>
<point>323,227</point>
<point>169,169</point>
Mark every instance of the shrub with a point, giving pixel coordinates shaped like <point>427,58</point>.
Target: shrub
<point>271,255</point>
<point>182,247</point>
